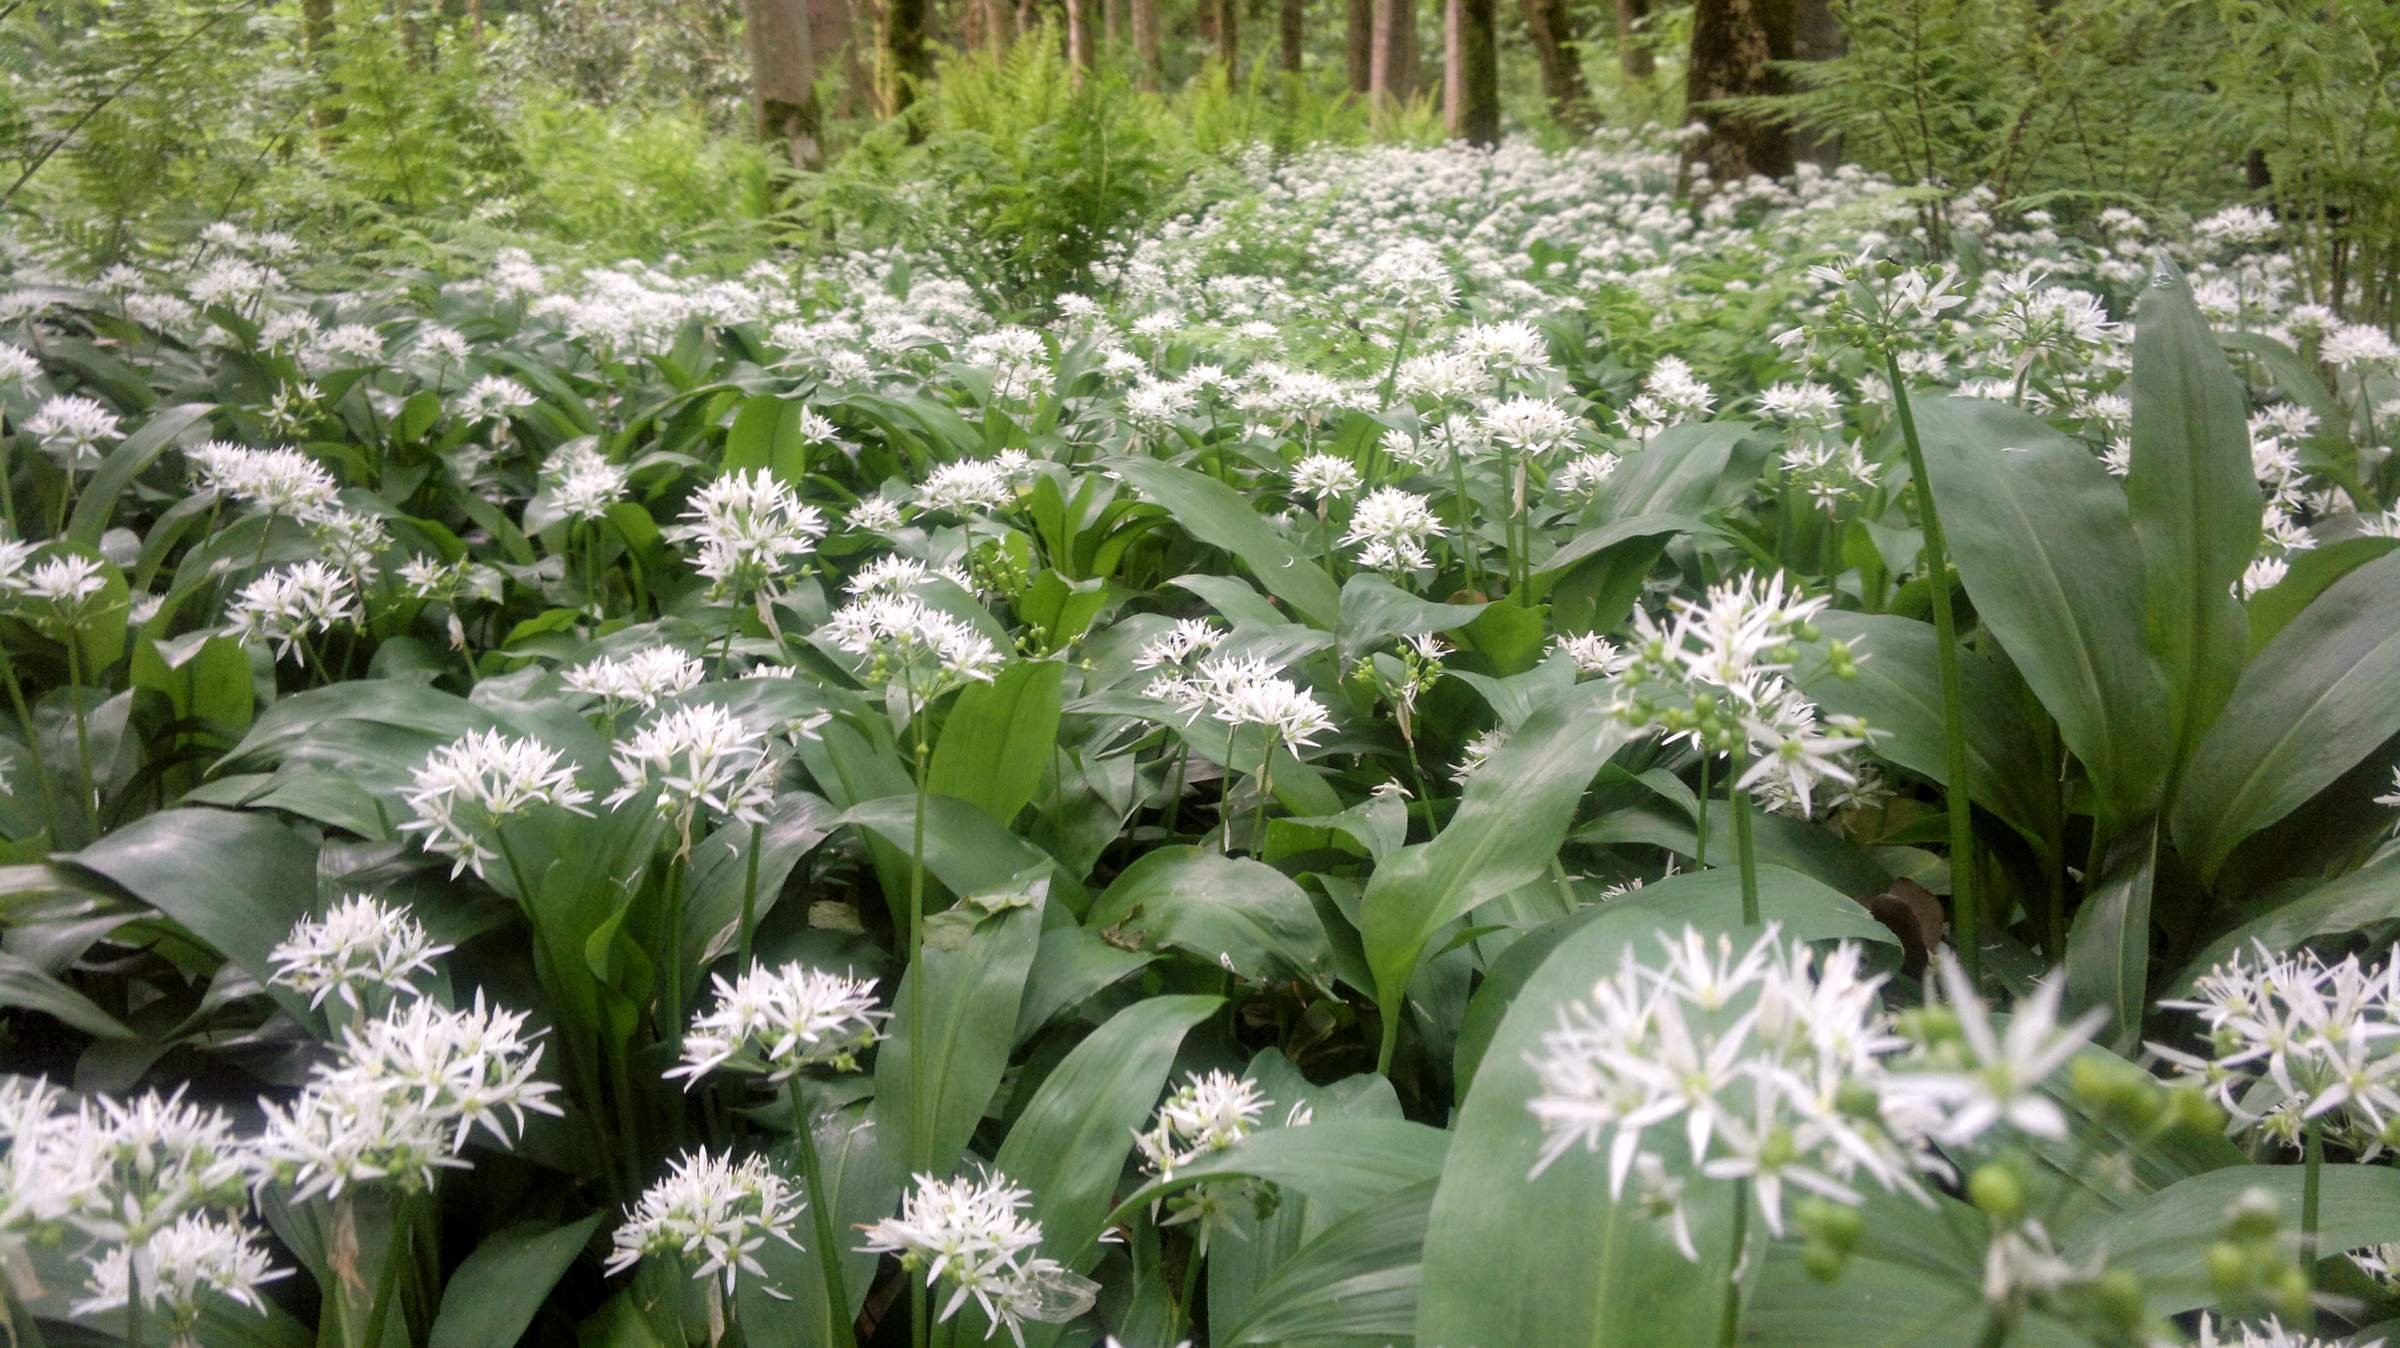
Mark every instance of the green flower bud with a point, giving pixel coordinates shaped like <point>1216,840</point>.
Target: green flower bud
<point>2121,1298</point>
<point>2228,1270</point>
<point>1996,1189</point>
<point>1823,1262</point>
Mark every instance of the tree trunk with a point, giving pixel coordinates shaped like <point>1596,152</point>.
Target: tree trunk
<point>316,39</point>
<point>902,61</point>
<point>1146,64</point>
<point>1633,52</point>
<point>831,32</point>
<point>1229,39</point>
<point>1359,54</point>
<point>1392,74</point>
<point>1112,24</point>
<point>1817,36</point>
<point>1292,26</point>
<point>783,78</point>
<point>1080,37</point>
<point>1733,44</point>
<point>1557,49</point>
<point>1471,71</point>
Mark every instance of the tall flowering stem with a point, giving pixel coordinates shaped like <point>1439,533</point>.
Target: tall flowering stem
<point>1745,847</point>
<point>820,1208</point>
<point>2310,1182</point>
<point>1965,914</point>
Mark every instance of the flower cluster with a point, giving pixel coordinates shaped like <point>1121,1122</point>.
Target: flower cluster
<point>287,606</point>
<point>359,949</point>
<point>971,1233</point>
<point>909,645</point>
<point>749,528</point>
<point>2296,1044</point>
<point>712,1214</point>
<point>468,790</point>
<point>781,1022</point>
<point>698,759</point>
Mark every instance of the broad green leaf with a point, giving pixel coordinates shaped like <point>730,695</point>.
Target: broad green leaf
<point>1898,690</point>
<point>964,849</point>
<point>999,739</point>
<point>2322,695</point>
<point>2312,571</point>
<point>865,1184</point>
<point>1070,1143</point>
<point>2164,1240</point>
<point>1357,1281</point>
<point>1515,812</point>
<point>1222,518</point>
<point>1345,1163</point>
<point>1805,910</point>
<point>2194,499</point>
<point>951,1029</point>
<point>768,432</point>
<point>721,871</point>
<point>2365,898</point>
<point>1374,609</point>
<point>1072,964</point>
<point>26,986</point>
<point>96,499</point>
<point>2045,545</point>
<point>2108,950</point>
<point>236,881</point>
<point>496,1292</point>
<point>1512,1260</point>
<point>1223,910</point>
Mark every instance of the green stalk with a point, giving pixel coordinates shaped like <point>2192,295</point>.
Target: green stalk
<point>1745,850</point>
<point>1729,1326</point>
<point>90,803</point>
<point>1965,914</point>
<point>133,1297</point>
<point>671,896</point>
<point>820,1207</point>
<point>1705,759</point>
<point>1182,1313</point>
<point>395,1251</point>
<point>741,958</point>
<point>1466,521</point>
<point>2310,1183</point>
<point>1258,818</point>
<point>33,742</point>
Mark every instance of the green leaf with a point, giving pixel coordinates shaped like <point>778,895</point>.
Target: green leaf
<point>2365,898</point>
<point>2272,609</point>
<point>999,739</point>
<point>2045,546</point>
<point>2108,950</point>
<point>964,849</point>
<point>1510,822</point>
<point>1217,908</point>
<point>2194,499</point>
<point>2319,698</point>
<point>865,1182</point>
<point>1344,1163</point>
<point>1070,1143</point>
<point>1219,516</point>
<point>1898,690</point>
<point>2164,1239</point>
<point>1358,1280</point>
<point>496,1292</point>
<point>236,881</point>
<point>96,500</point>
<point>1513,1260</point>
<point>26,986</point>
<point>1373,609</point>
<point>1805,909</point>
<point>767,432</point>
<point>954,1013</point>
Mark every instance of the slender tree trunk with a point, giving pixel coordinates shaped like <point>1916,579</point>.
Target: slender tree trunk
<point>783,78</point>
<point>1633,52</point>
<point>1359,50</point>
<point>1471,71</point>
<point>475,20</point>
<point>831,30</point>
<point>1229,39</point>
<point>1392,74</point>
<point>1080,37</point>
<point>1146,63</point>
<point>1817,36</point>
<point>316,39</point>
<point>1112,24</point>
<point>1292,27</point>
<point>1734,43</point>
<point>902,61</point>
<point>1557,49</point>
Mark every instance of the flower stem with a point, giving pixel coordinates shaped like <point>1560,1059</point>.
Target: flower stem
<point>1745,848</point>
<point>920,1059</point>
<point>2309,1186</point>
<point>820,1206</point>
<point>395,1252</point>
<point>1466,519</point>
<point>1729,1325</point>
<point>133,1297</point>
<point>741,958</point>
<point>90,803</point>
<point>1958,800</point>
<point>33,743</point>
<point>1701,860</point>
<point>1182,1313</point>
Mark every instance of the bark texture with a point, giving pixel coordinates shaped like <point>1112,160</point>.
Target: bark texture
<point>783,78</point>
<point>1359,53</point>
<point>903,62</point>
<point>1471,71</point>
<point>1292,28</point>
<point>1734,43</point>
<point>1557,39</point>
<point>1146,64</point>
<point>1392,73</point>
<point>1633,53</point>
